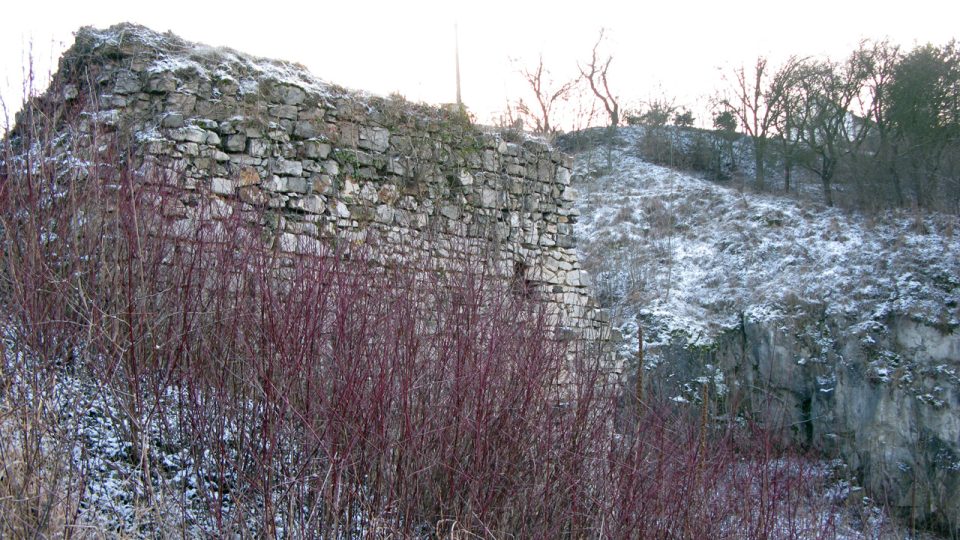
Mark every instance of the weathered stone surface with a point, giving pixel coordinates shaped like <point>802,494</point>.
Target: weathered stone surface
<point>258,147</point>
<point>315,149</point>
<point>126,82</point>
<point>248,176</point>
<point>223,186</point>
<point>235,143</point>
<point>327,162</point>
<point>313,204</point>
<point>287,168</point>
<point>291,95</point>
<point>896,428</point>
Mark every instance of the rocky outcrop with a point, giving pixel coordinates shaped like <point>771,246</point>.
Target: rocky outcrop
<point>885,398</point>
<point>333,164</point>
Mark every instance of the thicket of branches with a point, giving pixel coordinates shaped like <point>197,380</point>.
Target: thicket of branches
<point>319,394</point>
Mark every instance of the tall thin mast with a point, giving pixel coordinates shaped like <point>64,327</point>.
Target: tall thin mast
<point>456,51</point>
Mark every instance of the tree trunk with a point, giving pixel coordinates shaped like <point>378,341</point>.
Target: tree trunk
<point>758,154</point>
<point>897,188</point>
<point>891,155</point>
<point>826,178</point>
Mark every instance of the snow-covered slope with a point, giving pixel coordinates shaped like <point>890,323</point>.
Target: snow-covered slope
<point>693,254</point>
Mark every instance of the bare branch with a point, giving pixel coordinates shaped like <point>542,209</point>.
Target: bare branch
<point>596,73</point>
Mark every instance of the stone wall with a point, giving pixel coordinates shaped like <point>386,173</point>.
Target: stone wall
<point>334,164</point>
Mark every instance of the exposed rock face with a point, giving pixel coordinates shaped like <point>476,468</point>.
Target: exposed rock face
<point>887,400</point>
<point>333,163</point>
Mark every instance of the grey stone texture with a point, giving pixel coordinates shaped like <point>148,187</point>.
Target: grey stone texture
<point>883,398</point>
<point>339,164</point>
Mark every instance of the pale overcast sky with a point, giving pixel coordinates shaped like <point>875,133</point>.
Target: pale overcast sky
<point>677,48</point>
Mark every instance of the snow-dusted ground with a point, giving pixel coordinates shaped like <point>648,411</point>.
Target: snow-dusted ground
<point>692,258</point>
<point>694,255</point>
<point>688,253</point>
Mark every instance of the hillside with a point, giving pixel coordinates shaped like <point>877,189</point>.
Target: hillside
<point>692,254</point>
<point>848,321</point>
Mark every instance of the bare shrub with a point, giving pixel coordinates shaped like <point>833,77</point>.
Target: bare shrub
<point>313,390</point>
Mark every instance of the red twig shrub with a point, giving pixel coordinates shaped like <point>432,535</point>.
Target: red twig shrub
<point>318,393</point>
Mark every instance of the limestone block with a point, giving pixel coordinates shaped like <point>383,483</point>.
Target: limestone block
<point>253,195</point>
<point>395,166</point>
<point>276,184</point>
<point>192,134</point>
<point>258,147</point>
<point>314,204</point>
<point>368,193</point>
<point>172,120</point>
<point>223,186</point>
<point>515,169</point>
<point>331,167</point>
<point>315,149</point>
<point>220,209</point>
<point>297,184</point>
<point>350,187</point>
<point>450,211</point>
<point>189,149</point>
<point>490,161</point>
<point>374,138</point>
<point>288,112</point>
<point>291,95</point>
<point>161,83</point>
<point>287,167</point>
<point>348,134</point>
<point>70,92</point>
<point>489,198</point>
<point>311,166</point>
<point>277,133</point>
<point>181,103</point>
<point>322,184</point>
<point>235,143</point>
<point>385,214</point>
<point>306,129</point>
<point>289,242</point>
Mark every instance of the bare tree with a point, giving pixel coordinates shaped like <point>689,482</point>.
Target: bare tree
<point>885,59</point>
<point>923,108</point>
<point>757,105</point>
<point>788,124</point>
<point>547,94</point>
<point>830,132</point>
<point>596,73</point>
<point>725,133</point>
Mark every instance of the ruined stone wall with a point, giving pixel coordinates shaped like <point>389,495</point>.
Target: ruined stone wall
<point>334,164</point>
